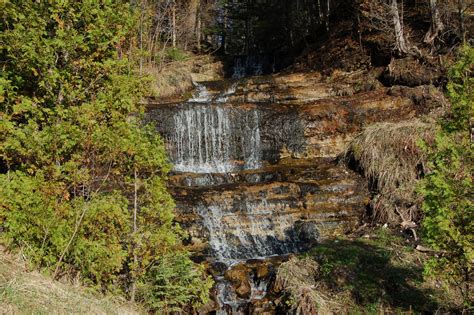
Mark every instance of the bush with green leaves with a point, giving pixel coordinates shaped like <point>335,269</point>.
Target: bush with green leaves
<point>82,189</point>
<point>447,188</point>
<point>172,283</point>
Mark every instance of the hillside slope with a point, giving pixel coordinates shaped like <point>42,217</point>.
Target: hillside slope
<point>25,292</point>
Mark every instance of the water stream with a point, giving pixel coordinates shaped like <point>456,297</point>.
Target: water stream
<point>210,136</point>
<point>244,207</point>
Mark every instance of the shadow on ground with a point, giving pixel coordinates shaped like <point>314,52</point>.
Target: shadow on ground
<point>374,274</point>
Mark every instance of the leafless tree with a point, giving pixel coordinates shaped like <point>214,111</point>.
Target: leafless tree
<point>437,25</point>
<point>387,17</point>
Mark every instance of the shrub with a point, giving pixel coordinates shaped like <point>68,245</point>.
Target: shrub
<point>83,191</point>
<point>447,188</point>
<point>173,282</point>
<point>37,219</point>
<point>176,54</point>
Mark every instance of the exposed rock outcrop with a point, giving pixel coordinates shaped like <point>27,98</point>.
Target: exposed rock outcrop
<point>257,173</point>
<point>275,210</point>
<point>298,115</point>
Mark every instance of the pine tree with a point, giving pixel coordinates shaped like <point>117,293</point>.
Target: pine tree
<point>83,188</point>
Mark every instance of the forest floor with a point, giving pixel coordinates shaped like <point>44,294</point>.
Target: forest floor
<point>30,292</point>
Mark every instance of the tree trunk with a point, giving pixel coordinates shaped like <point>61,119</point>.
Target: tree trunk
<point>462,27</point>
<point>224,35</point>
<point>142,13</point>
<point>436,24</point>
<point>133,289</point>
<point>69,243</point>
<point>198,26</point>
<point>328,12</point>
<point>173,21</point>
<point>400,41</point>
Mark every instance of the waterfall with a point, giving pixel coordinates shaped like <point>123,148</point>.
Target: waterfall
<point>244,229</point>
<point>201,95</point>
<point>215,139</point>
<point>249,182</point>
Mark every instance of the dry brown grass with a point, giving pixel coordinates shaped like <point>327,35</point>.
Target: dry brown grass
<point>388,154</point>
<point>299,278</point>
<point>25,292</point>
<point>176,78</point>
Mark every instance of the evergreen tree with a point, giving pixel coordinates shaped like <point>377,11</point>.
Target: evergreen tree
<point>83,187</point>
<point>447,188</point>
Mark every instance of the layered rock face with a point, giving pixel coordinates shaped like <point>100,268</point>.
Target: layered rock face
<point>270,211</point>
<point>244,125</point>
<point>255,164</point>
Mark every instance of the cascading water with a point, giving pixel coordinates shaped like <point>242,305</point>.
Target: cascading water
<point>206,136</point>
<point>229,301</point>
<point>245,190</point>
<point>253,232</point>
<point>215,139</point>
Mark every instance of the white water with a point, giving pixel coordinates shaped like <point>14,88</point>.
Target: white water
<point>209,136</point>
<point>241,230</point>
<point>226,296</point>
<point>223,97</point>
<point>215,139</point>
<point>201,95</point>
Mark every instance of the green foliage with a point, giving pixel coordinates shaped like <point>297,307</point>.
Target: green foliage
<point>173,282</point>
<point>447,188</point>
<point>84,190</point>
<point>461,93</point>
<point>38,218</point>
<point>176,54</point>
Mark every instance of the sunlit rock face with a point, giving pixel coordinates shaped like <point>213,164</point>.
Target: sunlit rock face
<point>247,124</point>
<point>271,211</point>
<point>254,160</point>
<point>256,171</point>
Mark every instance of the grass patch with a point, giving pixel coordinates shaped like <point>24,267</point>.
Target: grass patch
<point>175,76</point>
<point>389,156</point>
<point>24,292</point>
<point>367,275</point>
<point>366,270</point>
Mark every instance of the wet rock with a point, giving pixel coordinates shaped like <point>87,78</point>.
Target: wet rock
<point>208,308</point>
<point>239,277</point>
<point>218,267</point>
<point>306,117</point>
<point>262,271</point>
<point>307,231</point>
<point>262,307</point>
<point>312,199</point>
<point>243,290</point>
<point>256,172</point>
